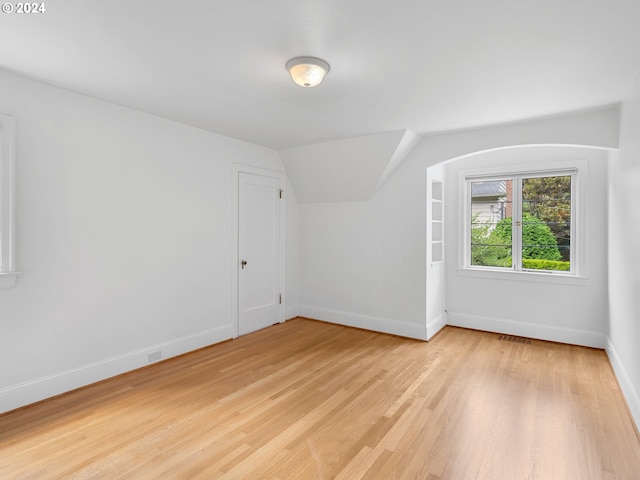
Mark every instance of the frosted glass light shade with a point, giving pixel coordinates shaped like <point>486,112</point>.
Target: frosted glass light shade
<point>307,71</point>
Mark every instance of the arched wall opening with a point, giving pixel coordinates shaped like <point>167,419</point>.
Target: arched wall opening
<point>570,309</point>
<point>364,263</point>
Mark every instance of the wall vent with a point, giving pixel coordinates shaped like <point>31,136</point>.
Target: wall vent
<point>511,338</point>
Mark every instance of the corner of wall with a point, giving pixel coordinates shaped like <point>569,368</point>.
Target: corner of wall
<point>365,322</point>
<point>291,312</point>
<point>626,385</point>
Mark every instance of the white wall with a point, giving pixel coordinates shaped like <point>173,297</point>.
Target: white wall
<point>345,170</point>
<point>123,237</point>
<point>551,308</point>
<point>624,253</point>
<point>292,252</point>
<point>363,263</point>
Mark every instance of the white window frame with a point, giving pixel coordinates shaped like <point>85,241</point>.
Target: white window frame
<point>8,273</point>
<point>578,171</point>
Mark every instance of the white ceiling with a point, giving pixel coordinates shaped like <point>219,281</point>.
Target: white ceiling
<point>423,65</point>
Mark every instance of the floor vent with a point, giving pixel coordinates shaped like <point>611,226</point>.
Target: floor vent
<point>511,338</point>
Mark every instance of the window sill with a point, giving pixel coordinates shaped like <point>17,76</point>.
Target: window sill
<point>8,279</point>
<point>534,277</point>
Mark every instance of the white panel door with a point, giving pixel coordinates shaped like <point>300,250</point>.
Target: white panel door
<point>259,251</point>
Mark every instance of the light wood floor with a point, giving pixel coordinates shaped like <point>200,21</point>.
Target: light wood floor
<point>309,400</point>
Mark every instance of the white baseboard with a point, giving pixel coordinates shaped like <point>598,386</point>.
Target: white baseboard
<point>531,330</point>
<point>628,390</point>
<point>16,396</point>
<point>366,322</point>
<point>291,312</point>
<point>436,325</point>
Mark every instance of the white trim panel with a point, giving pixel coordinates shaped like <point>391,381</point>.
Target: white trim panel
<point>16,396</point>
<point>436,325</point>
<point>7,200</point>
<point>382,325</point>
<point>531,330</point>
<point>628,390</point>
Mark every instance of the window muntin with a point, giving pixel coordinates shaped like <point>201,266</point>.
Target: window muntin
<point>522,222</point>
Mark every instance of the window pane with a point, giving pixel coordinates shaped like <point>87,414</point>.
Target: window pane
<point>491,211</point>
<point>546,223</point>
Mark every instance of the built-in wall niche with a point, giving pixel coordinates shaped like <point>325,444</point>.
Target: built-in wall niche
<point>435,269</point>
<point>437,247</point>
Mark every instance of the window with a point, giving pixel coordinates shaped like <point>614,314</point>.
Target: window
<point>7,171</point>
<point>522,222</point>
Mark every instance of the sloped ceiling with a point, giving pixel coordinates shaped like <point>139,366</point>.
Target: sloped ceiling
<point>397,67</point>
<point>349,170</point>
<point>424,65</point>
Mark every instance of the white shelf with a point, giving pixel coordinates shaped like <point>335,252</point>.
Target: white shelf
<point>436,231</point>
<point>437,227</point>
<point>436,252</point>
<point>436,191</point>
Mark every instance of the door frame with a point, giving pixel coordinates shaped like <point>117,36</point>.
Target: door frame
<point>235,287</point>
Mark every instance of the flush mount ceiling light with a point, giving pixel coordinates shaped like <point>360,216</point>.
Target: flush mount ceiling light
<point>307,71</point>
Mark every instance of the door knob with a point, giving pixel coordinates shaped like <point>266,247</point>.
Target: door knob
<point>243,263</point>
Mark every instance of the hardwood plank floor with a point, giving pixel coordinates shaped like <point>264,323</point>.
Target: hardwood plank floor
<point>306,400</point>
